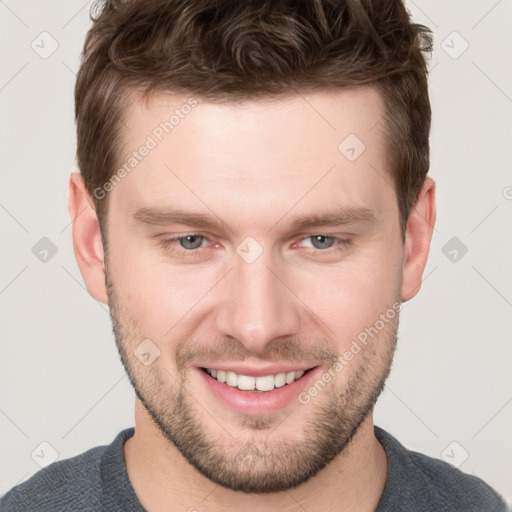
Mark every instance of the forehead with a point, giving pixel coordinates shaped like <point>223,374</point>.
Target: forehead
<point>328,145</point>
<point>327,114</point>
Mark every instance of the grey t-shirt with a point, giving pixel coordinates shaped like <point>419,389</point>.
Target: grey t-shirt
<point>97,480</point>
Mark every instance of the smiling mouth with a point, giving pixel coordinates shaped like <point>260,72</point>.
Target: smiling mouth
<point>261,384</point>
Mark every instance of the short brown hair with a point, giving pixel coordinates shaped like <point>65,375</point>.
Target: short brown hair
<point>228,50</point>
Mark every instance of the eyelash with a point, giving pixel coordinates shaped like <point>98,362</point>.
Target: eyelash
<point>339,243</point>
<point>166,242</point>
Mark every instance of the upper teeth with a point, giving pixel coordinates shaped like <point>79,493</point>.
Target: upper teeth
<point>247,383</point>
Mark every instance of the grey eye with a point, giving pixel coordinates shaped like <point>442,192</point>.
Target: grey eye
<point>191,241</point>
<point>322,241</point>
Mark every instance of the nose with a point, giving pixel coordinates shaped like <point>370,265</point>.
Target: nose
<point>258,306</point>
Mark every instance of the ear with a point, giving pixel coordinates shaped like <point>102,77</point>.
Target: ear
<point>420,226</point>
<point>87,243</point>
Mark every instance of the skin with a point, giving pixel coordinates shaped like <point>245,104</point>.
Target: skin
<point>255,168</point>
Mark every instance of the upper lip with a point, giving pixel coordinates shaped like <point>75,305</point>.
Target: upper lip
<point>257,371</point>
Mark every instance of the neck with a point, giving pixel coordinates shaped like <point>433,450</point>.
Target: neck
<point>160,475</point>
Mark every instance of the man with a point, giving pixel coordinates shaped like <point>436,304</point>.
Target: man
<point>253,205</point>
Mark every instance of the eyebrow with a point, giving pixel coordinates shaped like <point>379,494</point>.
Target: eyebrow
<point>332,218</point>
<point>335,218</point>
<point>165,216</point>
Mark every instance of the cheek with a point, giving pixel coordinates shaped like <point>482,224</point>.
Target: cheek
<point>352,296</point>
<point>155,294</point>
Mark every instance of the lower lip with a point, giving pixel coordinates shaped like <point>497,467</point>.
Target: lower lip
<point>249,402</point>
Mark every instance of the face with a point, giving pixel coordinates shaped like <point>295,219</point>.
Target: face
<point>256,240</point>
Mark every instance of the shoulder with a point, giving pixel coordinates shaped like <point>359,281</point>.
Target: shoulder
<point>71,484</point>
<point>419,482</point>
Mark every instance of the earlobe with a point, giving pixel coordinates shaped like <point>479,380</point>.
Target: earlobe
<point>420,226</point>
<point>87,242</point>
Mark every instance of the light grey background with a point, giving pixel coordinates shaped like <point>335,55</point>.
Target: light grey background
<point>61,380</point>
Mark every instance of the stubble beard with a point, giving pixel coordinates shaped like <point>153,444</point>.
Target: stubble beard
<point>257,465</point>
